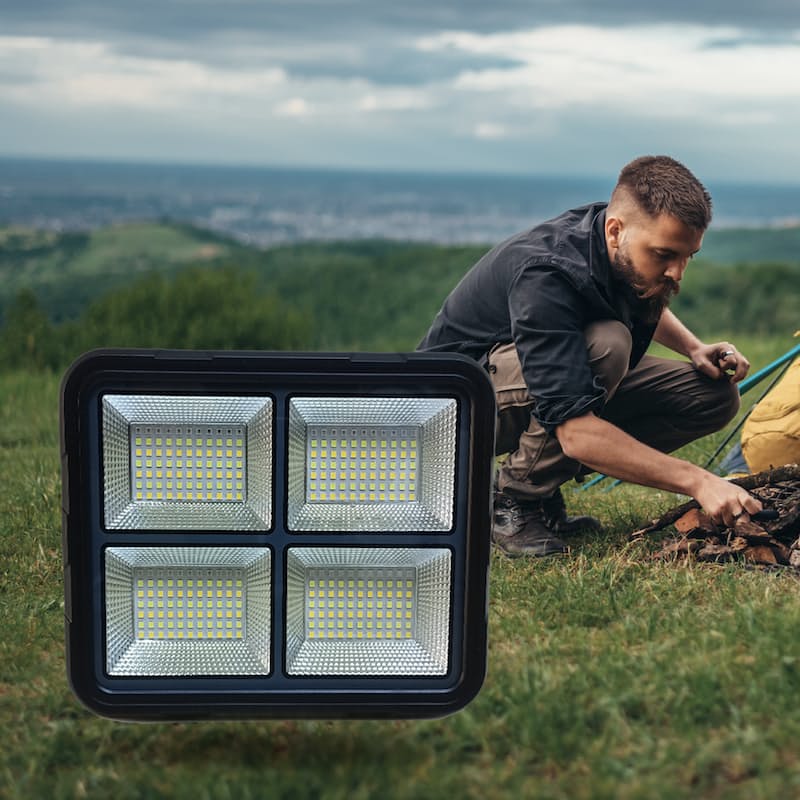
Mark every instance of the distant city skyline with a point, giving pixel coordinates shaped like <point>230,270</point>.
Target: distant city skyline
<point>521,86</point>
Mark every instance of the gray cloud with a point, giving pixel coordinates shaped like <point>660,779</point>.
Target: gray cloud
<point>308,20</point>
<point>14,76</point>
<point>382,60</point>
<point>759,39</point>
<point>349,39</point>
<point>395,66</point>
<point>346,83</point>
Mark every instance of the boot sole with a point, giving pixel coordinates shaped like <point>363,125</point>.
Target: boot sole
<point>529,551</point>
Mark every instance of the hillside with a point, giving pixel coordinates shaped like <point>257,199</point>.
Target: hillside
<point>67,270</point>
<point>752,245</point>
<point>365,295</point>
<point>383,296</point>
<point>164,285</point>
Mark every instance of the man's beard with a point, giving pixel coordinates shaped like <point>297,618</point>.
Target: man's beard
<point>648,309</point>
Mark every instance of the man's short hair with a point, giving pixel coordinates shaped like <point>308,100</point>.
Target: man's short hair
<point>662,185</point>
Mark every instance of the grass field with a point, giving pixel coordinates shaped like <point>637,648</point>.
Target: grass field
<point>610,675</point>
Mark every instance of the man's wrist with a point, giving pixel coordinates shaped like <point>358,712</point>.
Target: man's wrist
<point>672,333</point>
<point>694,349</point>
<point>691,479</point>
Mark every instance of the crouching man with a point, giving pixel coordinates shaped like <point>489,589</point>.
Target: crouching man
<point>561,316</point>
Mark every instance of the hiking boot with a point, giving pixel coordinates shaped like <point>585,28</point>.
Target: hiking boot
<point>555,515</point>
<point>519,528</point>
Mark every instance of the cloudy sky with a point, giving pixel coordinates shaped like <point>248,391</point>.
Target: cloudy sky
<point>530,86</point>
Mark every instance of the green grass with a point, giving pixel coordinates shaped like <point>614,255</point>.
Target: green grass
<point>610,675</point>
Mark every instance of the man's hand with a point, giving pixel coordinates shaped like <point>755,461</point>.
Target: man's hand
<point>724,501</point>
<point>715,360</point>
<point>718,359</point>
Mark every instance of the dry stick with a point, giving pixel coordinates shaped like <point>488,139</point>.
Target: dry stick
<point>786,473</point>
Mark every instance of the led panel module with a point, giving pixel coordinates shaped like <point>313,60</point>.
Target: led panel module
<point>187,611</point>
<point>371,463</point>
<point>275,534</point>
<point>187,462</point>
<point>368,611</point>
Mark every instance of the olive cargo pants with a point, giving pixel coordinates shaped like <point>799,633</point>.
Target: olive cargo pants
<point>663,403</point>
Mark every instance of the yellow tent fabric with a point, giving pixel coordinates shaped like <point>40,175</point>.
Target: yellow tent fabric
<point>771,435</point>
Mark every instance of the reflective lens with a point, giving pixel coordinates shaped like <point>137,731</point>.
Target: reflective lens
<point>187,610</point>
<point>187,462</point>
<point>371,464</point>
<point>368,611</point>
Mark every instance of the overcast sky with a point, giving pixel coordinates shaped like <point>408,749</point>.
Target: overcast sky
<point>537,86</point>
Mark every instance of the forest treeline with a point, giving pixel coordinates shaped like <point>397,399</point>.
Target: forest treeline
<point>199,308</point>
<point>377,296</point>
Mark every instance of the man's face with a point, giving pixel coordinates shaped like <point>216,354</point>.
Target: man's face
<point>650,255</point>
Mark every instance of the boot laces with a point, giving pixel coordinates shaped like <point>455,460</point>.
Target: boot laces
<point>519,511</point>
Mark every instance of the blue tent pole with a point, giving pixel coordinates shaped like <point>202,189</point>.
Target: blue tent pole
<point>594,481</point>
<point>748,383</point>
<point>744,386</point>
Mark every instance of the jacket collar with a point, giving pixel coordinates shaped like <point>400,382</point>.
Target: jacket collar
<point>599,263</point>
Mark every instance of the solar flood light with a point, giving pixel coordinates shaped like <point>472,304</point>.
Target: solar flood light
<point>275,534</point>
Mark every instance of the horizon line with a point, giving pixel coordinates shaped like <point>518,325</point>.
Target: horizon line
<point>357,169</point>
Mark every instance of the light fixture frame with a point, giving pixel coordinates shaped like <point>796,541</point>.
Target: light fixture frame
<point>280,377</point>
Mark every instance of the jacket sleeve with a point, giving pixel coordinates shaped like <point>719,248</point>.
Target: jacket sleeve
<point>548,318</point>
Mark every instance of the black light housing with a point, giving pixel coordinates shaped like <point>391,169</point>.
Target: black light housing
<point>275,534</point>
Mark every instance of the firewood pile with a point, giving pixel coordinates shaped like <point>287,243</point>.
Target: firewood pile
<point>771,537</point>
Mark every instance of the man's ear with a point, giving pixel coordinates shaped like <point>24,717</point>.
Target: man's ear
<point>614,226</point>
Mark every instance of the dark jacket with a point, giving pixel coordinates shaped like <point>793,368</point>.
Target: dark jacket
<point>540,289</point>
